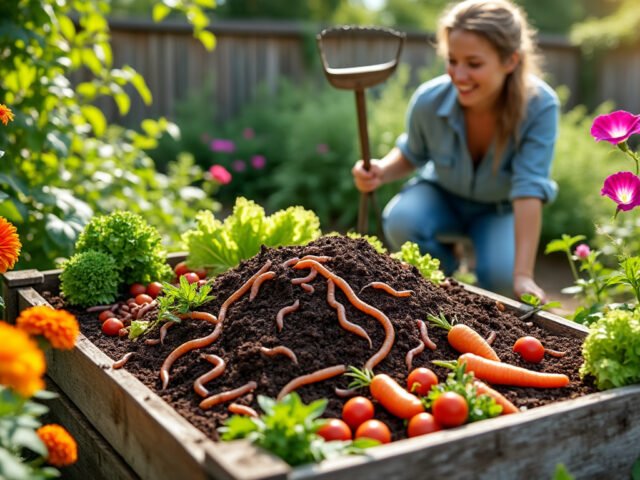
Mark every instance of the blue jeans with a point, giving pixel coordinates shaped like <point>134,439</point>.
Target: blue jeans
<point>423,210</point>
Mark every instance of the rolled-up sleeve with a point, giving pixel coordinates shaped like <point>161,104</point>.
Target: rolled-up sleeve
<point>413,143</point>
<point>532,162</point>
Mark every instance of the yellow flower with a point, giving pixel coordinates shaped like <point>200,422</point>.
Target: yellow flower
<point>22,363</point>
<point>6,115</point>
<point>62,448</point>
<point>59,327</point>
<point>9,241</point>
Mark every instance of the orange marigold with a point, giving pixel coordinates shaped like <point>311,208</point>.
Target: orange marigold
<point>9,244</point>
<point>6,115</point>
<point>59,327</point>
<point>62,448</point>
<point>22,363</point>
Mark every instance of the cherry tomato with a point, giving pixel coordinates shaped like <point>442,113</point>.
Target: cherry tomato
<point>112,326</point>
<point>104,315</point>
<point>420,381</point>
<point>180,269</point>
<point>356,411</point>
<point>374,429</point>
<point>530,349</point>
<point>421,424</point>
<point>335,429</point>
<point>143,298</point>
<point>136,289</point>
<point>191,277</point>
<point>450,409</point>
<point>154,289</point>
<point>201,273</point>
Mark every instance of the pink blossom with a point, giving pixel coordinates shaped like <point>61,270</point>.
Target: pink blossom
<point>322,148</point>
<point>238,165</point>
<point>222,145</point>
<point>258,162</point>
<point>248,133</point>
<point>582,251</point>
<point>615,127</point>
<point>220,174</point>
<point>624,189</point>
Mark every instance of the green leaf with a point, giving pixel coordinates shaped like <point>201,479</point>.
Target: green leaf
<point>66,27</point>
<point>561,473</point>
<point>530,299</point>
<point>635,470</point>
<point>27,438</point>
<point>96,118</point>
<point>123,101</point>
<point>11,468</point>
<point>59,231</point>
<point>207,39</point>
<point>45,395</point>
<point>160,11</point>
<point>140,85</point>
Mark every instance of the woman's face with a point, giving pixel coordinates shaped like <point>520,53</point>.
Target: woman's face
<point>476,69</point>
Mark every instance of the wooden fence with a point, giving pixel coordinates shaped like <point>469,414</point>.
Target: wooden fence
<point>249,54</point>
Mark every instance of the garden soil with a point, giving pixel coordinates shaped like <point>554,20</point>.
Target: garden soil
<point>314,335</point>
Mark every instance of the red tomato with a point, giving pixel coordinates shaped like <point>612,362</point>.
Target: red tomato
<point>201,273</point>
<point>191,277</point>
<point>143,298</point>
<point>421,424</point>
<point>357,410</point>
<point>450,409</point>
<point>112,326</point>
<point>154,289</point>
<point>104,315</point>
<point>420,381</point>
<point>530,349</point>
<point>334,429</point>
<point>374,429</point>
<point>136,289</point>
<point>180,269</point>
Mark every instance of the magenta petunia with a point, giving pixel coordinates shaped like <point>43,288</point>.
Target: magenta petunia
<point>258,162</point>
<point>220,174</point>
<point>615,127</point>
<point>223,146</point>
<point>582,251</point>
<point>624,189</point>
<point>238,165</point>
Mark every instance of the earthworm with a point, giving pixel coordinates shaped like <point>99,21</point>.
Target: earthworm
<point>255,288</point>
<point>121,363</point>
<point>144,309</point>
<point>492,337</point>
<point>555,353</point>
<point>414,351</point>
<point>360,305</point>
<point>290,262</point>
<point>285,311</point>
<point>500,306</point>
<point>424,335</point>
<point>280,350</point>
<point>124,308</point>
<point>307,288</point>
<point>215,372</point>
<point>307,279</point>
<point>125,316</point>
<point>200,316</point>
<point>226,396</point>
<point>342,316</point>
<point>241,291</point>
<point>390,290</point>
<point>184,348</point>
<point>238,409</point>
<point>163,330</point>
<point>152,341</point>
<point>99,308</point>
<point>317,258</point>
<point>313,377</point>
<point>115,306</point>
<point>346,392</point>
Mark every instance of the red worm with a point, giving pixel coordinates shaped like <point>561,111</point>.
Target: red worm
<point>238,409</point>
<point>218,369</point>
<point>121,363</point>
<point>99,308</point>
<point>342,316</point>
<point>492,337</point>
<point>410,354</point>
<point>290,262</point>
<point>142,310</point>
<point>152,341</point>
<point>307,279</point>
<point>255,288</point>
<point>163,330</point>
<point>184,348</point>
<point>313,377</point>
<point>389,290</point>
<point>555,353</point>
<point>280,350</point>
<point>317,258</point>
<point>424,336</point>
<point>360,305</point>
<point>226,396</point>
<point>200,316</point>
<point>286,311</point>
<point>241,291</point>
<point>307,288</point>
<point>346,392</point>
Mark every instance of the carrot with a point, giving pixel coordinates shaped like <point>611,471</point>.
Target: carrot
<point>504,374</point>
<point>312,377</point>
<point>218,369</point>
<point>464,338</point>
<point>389,393</point>
<point>390,290</point>
<point>484,389</point>
<point>342,316</point>
<point>286,311</point>
<point>227,396</point>
<point>280,350</point>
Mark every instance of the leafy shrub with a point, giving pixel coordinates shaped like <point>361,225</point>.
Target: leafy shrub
<point>134,245</point>
<point>90,278</point>
<point>428,266</point>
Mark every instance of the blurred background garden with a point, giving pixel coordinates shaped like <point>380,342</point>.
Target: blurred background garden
<point>167,107</point>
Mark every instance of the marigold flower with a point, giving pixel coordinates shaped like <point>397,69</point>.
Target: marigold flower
<point>9,245</point>
<point>59,327</point>
<point>624,189</point>
<point>62,448</point>
<point>220,174</point>
<point>22,363</point>
<point>615,127</point>
<point>6,115</point>
<point>582,251</point>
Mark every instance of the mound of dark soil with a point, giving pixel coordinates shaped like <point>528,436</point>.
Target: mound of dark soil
<point>313,333</point>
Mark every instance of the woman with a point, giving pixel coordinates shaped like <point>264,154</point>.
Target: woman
<point>481,139</point>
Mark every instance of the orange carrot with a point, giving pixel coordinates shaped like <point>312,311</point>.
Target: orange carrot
<point>484,389</point>
<point>504,374</point>
<point>218,369</point>
<point>238,409</point>
<point>280,350</point>
<point>121,363</point>
<point>342,316</point>
<point>286,311</point>
<point>241,291</point>
<point>464,338</point>
<point>255,288</point>
<point>227,396</point>
<point>312,377</point>
<point>390,290</point>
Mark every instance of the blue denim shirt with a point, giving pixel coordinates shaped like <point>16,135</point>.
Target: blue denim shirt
<point>435,142</point>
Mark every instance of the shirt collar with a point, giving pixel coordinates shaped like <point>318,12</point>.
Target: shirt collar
<point>450,108</point>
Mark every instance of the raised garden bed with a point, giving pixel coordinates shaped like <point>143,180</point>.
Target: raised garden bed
<point>586,431</point>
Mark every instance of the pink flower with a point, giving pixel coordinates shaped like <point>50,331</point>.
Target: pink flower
<point>322,148</point>
<point>615,127</point>
<point>258,162</point>
<point>624,189</point>
<point>238,166</point>
<point>220,174</point>
<point>582,251</point>
<point>222,145</point>
<point>248,133</point>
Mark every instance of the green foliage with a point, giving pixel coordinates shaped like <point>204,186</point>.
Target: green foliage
<point>182,299</point>
<point>134,245</point>
<point>611,350</point>
<point>620,27</point>
<point>219,246</point>
<point>372,239</point>
<point>90,278</point>
<point>561,473</point>
<point>428,266</point>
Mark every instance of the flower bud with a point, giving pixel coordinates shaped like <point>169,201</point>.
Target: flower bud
<point>582,251</point>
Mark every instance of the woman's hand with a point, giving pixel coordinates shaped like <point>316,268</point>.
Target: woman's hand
<point>525,284</point>
<point>367,181</point>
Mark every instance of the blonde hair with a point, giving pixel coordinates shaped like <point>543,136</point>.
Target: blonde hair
<point>506,28</point>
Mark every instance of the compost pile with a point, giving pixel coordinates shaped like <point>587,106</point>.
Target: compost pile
<point>313,333</point>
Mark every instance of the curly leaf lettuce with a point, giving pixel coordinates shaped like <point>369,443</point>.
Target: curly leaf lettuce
<point>429,267</point>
